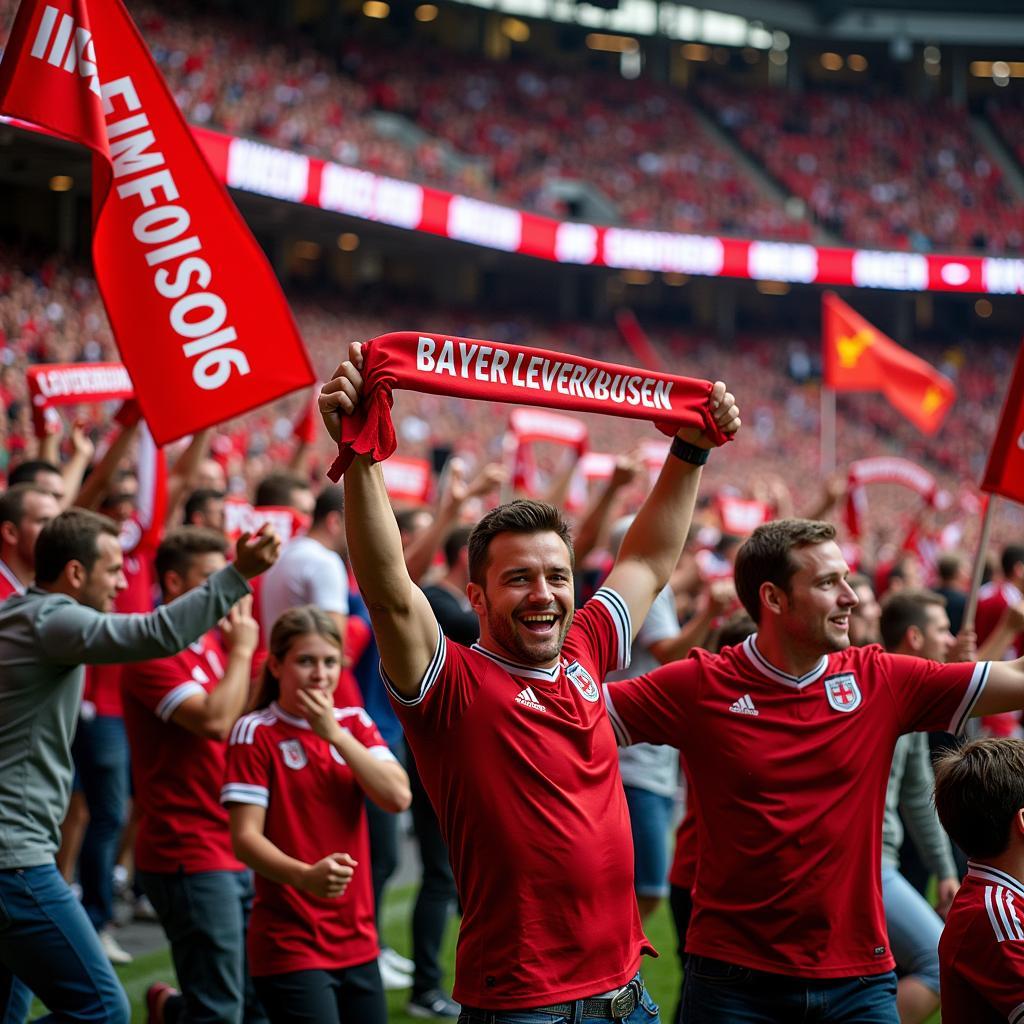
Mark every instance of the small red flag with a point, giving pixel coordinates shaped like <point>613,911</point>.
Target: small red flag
<point>1004,473</point>
<point>198,315</point>
<point>859,357</point>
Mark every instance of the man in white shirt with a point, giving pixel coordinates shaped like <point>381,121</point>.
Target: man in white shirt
<point>310,569</point>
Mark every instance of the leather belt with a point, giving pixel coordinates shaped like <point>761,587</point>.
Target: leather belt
<point>617,1007</point>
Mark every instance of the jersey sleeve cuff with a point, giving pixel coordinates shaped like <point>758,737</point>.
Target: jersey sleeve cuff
<point>975,688</point>
<point>622,737</point>
<point>430,677</point>
<point>243,793</point>
<point>619,611</point>
<point>175,698</point>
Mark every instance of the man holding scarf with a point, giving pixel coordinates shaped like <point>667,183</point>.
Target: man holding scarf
<point>510,735</point>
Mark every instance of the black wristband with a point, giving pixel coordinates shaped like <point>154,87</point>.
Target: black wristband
<point>689,452</point>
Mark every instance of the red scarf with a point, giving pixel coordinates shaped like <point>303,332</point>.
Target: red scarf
<point>54,384</point>
<point>491,371</point>
<point>198,315</point>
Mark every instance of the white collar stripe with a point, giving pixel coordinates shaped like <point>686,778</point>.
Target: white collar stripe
<point>547,675</point>
<point>429,677</point>
<point>766,668</point>
<point>8,574</point>
<point>975,688</point>
<point>990,874</point>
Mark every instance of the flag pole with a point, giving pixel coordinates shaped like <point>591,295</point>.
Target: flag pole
<point>979,564</point>
<point>827,432</point>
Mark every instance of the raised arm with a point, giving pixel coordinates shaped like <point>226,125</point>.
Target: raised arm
<point>211,714</point>
<point>652,545</point>
<point>1004,689</point>
<point>404,625</point>
<point>75,634</point>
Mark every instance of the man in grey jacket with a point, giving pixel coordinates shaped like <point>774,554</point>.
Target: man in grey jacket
<point>47,635</point>
<point>915,623</point>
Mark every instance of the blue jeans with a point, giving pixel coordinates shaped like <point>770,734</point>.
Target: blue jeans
<point>646,1012</point>
<point>204,916</point>
<point>914,928</point>
<point>715,992</point>
<point>650,816</point>
<point>100,752</point>
<point>48,943</point>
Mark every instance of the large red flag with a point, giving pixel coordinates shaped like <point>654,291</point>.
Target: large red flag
<point>1004,473</point>
<point>859,357</point>
<point>198,316</point>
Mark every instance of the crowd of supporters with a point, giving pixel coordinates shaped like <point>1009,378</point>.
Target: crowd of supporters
<point>876,171</point>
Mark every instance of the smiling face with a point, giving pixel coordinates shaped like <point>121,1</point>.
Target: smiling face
<point>312,662</point>
<point>526,603</point>
<point>814,614</point>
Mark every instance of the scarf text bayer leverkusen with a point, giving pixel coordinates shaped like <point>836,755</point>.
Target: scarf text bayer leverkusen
<point>494,372</point>
<point>197,313</point>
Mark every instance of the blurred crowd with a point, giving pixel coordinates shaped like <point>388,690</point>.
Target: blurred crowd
<point>877,171</point>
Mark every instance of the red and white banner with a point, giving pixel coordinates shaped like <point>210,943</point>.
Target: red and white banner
<point>55,384</point>
<point>595,466</point>
<point>195,308</point>
<point>293,177</point>
<point>407,480</point>
<point>741,516</point>
<point>526,427</point>
<point>1004,474</point>
<point>241,517</point>
<point>883,469</point>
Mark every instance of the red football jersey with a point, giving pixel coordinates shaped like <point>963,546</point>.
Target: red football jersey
<point>683,871</point>
<point>314,807</point>
<point>993,600</point>
<point>9,583</point>
<point>177,775</point>
<point>981,952</point>
<point>790,775</point>
<point>521,767</point>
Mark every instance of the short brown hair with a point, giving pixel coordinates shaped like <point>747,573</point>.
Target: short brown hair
<point>12,501</point>
<point>180,546</point>
<point>765,557</point>
<point>904,609</point>
<point>519,516</point>
<point>290,625</point>
<point>978,791</point>
<point>73,536</point>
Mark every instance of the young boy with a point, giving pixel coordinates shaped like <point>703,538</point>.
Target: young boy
<point>979,794</point>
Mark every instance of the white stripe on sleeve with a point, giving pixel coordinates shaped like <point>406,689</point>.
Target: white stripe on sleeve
<point>619,611</point>
<point>243,793</point>
<point>175,698</point>
<point>975,688</point>
<point>429,677</point>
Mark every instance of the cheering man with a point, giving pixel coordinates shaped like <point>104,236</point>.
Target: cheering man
<point>788,738</point>
<point>510,734</point>
<point>47,635</point>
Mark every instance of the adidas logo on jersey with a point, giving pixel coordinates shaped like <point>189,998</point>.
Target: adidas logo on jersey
<point>529,700</point>
<point>744,706</point>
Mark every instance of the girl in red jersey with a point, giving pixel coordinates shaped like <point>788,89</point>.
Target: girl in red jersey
<point>298,771</point>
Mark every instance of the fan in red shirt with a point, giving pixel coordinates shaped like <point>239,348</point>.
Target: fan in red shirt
<point>24,510</point>
<point>510,736</point>
<point>788,738</point>
<point>299,771</point>
<point>979,794</point>
<point>178,713</point>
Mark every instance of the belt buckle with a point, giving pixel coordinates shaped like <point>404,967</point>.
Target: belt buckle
<point>624,1002</point>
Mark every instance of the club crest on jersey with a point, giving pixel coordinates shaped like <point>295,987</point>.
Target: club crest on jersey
<point>582,680</point>
<point>293,754</point>
<point>842,692</point>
